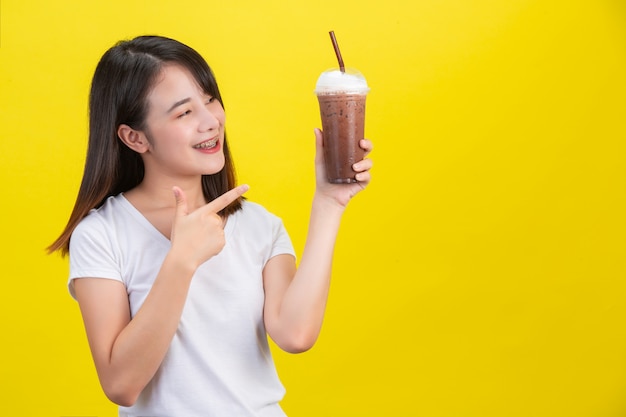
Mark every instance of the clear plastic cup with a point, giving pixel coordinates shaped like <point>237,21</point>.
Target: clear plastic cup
<point>341,97</point>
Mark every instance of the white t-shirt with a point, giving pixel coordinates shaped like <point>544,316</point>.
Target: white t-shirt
<point>219,362</point>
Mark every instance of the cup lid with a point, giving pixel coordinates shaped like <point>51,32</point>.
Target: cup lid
<point>334,80</point>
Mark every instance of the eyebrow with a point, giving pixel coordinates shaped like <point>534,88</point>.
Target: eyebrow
<point>179,103</point>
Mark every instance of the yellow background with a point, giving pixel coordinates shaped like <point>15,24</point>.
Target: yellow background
<point>483,273</point>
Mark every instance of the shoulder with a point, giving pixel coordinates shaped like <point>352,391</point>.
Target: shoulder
<point>256,219</point>
<point>94,245</point>
<point>251,208</point>
<point>100,222</point>
<point>254,229</point>
<point>255,213</point>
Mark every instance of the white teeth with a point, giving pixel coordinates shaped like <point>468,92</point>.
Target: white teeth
<point>207,145</point>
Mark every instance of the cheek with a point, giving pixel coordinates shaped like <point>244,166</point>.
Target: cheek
<point>219,113</point>
<point>170,138</point>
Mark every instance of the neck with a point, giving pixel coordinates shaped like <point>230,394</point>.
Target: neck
<point>159,194</point>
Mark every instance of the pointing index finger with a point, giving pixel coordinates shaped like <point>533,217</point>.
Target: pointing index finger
<point>225,199</point>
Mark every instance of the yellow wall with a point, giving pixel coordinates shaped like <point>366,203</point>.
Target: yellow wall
<point>483,274</point>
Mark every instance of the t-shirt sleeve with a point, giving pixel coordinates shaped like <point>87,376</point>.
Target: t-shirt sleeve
<point>92,253</point>
<point>282,242</point>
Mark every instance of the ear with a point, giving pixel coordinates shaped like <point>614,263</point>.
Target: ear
<point>134,139</point>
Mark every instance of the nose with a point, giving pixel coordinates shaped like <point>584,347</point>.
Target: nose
<point>209,120</point>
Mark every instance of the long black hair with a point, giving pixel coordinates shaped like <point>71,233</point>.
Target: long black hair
<point>121,83</point>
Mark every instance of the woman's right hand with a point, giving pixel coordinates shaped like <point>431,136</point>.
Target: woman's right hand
<point>199,235</point>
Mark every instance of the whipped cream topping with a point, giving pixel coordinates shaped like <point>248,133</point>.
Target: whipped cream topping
<point>334,81</point>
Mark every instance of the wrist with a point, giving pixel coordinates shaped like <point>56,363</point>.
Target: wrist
<point>327,204</point>
<point>183,265</point>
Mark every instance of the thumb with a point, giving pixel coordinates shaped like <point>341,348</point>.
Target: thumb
<point>181,202</point>
<point>319,153</point>
<point>319,137</point>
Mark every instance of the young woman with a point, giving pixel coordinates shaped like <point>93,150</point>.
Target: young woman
<point>178,277</point>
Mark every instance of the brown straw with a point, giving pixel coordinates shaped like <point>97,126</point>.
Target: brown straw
<point>339,59</point>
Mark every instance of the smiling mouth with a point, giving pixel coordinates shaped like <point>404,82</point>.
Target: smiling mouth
<point>207,144</point>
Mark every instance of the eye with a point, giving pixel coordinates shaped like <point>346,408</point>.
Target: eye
<point>183,114</point>
<point>210,100</point>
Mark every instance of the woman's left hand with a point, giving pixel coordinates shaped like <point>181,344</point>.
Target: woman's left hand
<point>341,193</point>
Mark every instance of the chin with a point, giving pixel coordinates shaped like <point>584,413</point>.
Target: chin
<point>215,168</point>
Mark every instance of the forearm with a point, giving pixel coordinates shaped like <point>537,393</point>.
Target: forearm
<point>140,347</point>
<point>304,302</point>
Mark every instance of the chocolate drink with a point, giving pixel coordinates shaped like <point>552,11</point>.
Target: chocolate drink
<point>343,122</point>
<point>341,96</point>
